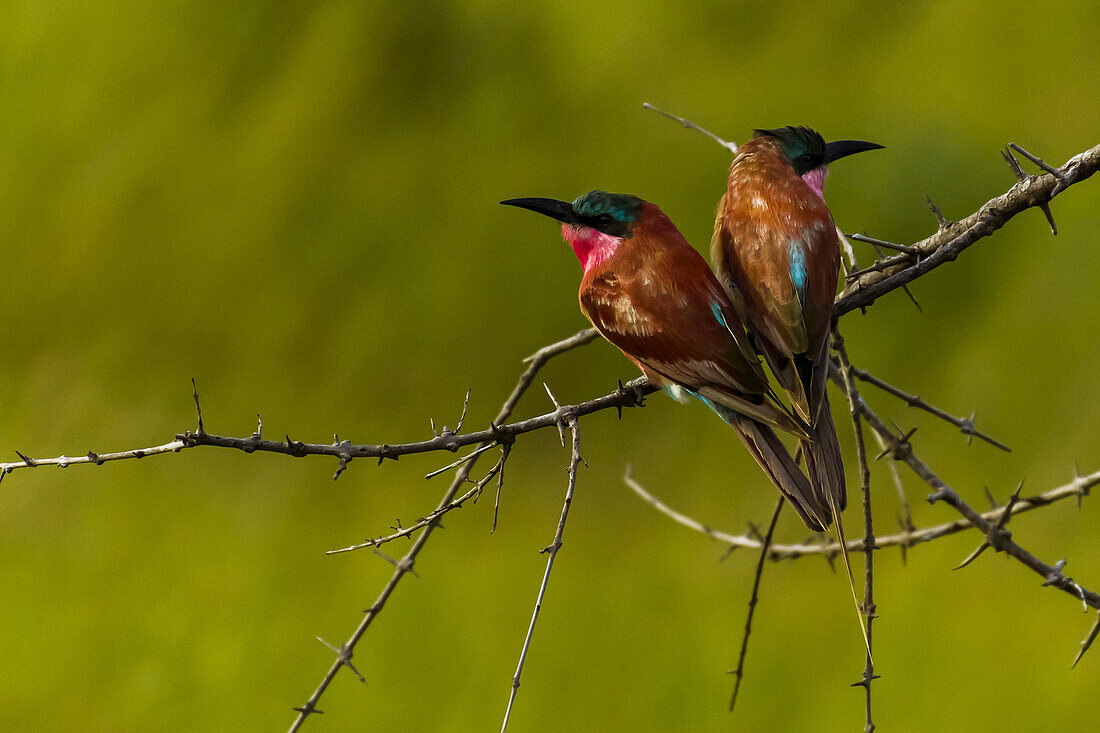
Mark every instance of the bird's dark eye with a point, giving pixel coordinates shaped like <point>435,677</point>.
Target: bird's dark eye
<point>604,220</point>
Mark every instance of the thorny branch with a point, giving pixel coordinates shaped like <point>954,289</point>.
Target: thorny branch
<point>829,547</point>
<point>901,449</point>
<point>570,422</point>
<point>952,238</point>
<point>990,523</point>
<point>631,394</point>
<point>966,425</point>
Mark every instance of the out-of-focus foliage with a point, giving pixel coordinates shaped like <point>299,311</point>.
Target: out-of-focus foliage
<point>295,204</point>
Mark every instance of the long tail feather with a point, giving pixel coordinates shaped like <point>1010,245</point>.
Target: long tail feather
<point>773,457</point>
<point>825,464</point>
<point>851,579</point>
<point>826,469</point>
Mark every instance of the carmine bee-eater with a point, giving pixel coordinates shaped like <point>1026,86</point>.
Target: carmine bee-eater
<point>776,252</point>
<point>653,296</point>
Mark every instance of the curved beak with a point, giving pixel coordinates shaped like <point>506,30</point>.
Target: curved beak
<point>844,148</point>
<point>560,210</point>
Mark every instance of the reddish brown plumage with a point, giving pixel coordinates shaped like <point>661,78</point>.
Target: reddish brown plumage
<point>767,210</point>
<point>655,299</point>
<point>651,295</point>
<point>773,230</point>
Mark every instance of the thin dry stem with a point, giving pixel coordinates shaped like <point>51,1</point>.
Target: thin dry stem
<point>552,553</point>
<point>1077,488</point>
<point>964,424</point>
<point>732,147</point>
<point>740,671</point>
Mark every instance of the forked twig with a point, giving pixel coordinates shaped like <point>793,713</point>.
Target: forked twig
<point>406,563</point>
<point>966,425</point>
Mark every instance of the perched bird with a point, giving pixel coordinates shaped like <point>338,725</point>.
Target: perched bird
<point>776,252</point>
<point>653,296</point>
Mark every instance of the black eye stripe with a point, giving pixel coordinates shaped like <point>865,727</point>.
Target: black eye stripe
<point>606,223</point>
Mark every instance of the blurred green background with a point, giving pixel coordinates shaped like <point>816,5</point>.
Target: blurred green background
<point>296,204</point>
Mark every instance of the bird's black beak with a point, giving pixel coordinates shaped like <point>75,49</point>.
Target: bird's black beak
<point>844,148</point>
<point>560,210</point>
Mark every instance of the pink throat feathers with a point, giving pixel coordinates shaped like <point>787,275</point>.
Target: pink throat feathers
<point>815,179</point>
<point>590,245</point>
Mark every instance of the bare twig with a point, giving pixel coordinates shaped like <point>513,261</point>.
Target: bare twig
<point>849,253</point>
<point>1078,488</point>
<point>904,288</point>
<point>504,449</point>
<point>880,265</point>
<point>198,408</point>
<point>552,552</point>
<point>905,515</point>
<point>473,493</point>
<point>732,541</point>
<point>966,425</point>
<point>883,243</point>
<point>943,221</point>
<point>92,458</point>
<point>580,338</point>
<point>1037,161</point>
<point>732,147</point>
<point>454,464</point>
<point>765,543</point>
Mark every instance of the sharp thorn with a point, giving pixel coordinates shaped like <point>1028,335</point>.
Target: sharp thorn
<point>1013,164</point>
<point>1045,208</point>
<point>973,556</point>
<point>198,409</point>
<point>1058,175</point>
<point>1087,642</point>
<point>943,221</point>
<point>989,495</point>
